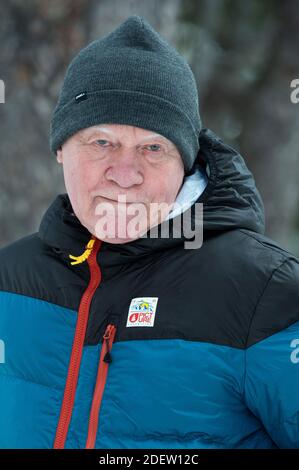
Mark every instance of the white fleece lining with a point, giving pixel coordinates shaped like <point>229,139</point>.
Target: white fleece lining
<point>193,186</point>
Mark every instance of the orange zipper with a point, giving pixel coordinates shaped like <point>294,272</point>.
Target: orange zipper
<point>105,360</point>
<point>75,360</point>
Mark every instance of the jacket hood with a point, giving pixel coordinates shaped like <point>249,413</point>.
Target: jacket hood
<point>230,201</point>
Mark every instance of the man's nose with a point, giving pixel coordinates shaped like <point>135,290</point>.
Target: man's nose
<point>125,169</point>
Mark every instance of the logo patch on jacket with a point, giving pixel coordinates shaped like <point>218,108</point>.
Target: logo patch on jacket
<point>142,311</point>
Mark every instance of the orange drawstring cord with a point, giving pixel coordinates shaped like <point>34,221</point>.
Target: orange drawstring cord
<point>85,255</point>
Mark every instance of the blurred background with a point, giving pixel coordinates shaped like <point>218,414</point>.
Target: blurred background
<point>244,55</point>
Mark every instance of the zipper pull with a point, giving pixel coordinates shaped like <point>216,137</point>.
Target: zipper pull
<point>106,337</point>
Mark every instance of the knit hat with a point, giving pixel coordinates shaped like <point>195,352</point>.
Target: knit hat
<point>131,76</point>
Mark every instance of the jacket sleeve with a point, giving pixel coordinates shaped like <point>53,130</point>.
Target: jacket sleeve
<point>271,383</point>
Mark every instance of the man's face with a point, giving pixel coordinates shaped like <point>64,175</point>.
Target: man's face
<point>103,162</point>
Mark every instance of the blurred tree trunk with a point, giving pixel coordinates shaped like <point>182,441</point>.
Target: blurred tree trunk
<point>37,40</point>
<point>271,124</point>
<point>245,55</point>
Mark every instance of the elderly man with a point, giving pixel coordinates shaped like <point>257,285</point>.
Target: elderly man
<point>118,339</point>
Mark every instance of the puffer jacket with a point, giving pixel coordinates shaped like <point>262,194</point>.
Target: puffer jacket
<point>147,344</point>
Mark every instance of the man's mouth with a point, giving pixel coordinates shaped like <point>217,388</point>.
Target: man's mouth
<point>120,201</point>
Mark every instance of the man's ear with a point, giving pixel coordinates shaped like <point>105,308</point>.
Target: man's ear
<point>59,155</point>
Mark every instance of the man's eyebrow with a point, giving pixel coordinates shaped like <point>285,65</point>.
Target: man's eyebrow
<point>150,136</point>
<point>103,129</point>
<point>154,136</point>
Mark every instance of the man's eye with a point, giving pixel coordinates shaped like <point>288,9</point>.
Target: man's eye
<point>155,149</point>
<point>100,142</point>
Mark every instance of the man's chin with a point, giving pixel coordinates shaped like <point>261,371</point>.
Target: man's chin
<point>121,235</point>
<point>117,238</point>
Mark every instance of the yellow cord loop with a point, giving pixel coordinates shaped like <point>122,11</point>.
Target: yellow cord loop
<point>85,255</point>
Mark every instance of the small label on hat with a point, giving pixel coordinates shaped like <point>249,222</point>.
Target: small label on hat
<point>81,96</point>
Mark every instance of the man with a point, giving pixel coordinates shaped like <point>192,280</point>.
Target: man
<point>114,339</point>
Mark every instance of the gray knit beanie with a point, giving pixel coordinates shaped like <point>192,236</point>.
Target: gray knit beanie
<point>131,76</point>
